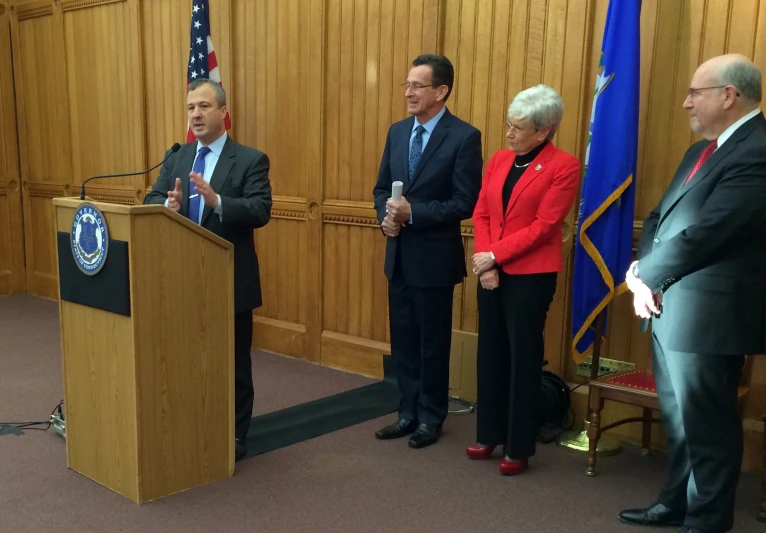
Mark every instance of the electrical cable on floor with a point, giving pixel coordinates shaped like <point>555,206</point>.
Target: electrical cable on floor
<point>29,425</point>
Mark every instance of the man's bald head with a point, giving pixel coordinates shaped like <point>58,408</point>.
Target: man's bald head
<point>723,90</point>
<point>739,71</point>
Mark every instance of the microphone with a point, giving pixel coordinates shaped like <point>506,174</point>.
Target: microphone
<point>173,150</point>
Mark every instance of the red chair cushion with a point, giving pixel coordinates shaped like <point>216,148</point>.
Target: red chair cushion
<point>634,379</point>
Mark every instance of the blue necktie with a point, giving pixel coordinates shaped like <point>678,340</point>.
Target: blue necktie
<point>416,149</point>
<point>194,198</point>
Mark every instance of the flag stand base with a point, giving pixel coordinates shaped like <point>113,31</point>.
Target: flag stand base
<point>579,441</point>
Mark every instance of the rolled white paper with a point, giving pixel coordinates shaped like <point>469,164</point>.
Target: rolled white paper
<point>396,190</point>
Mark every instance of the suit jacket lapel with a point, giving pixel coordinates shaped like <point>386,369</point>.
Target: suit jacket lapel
<point>679,178</point>
<point>537,167</point>
<point>185,166</point>
<point>499,182</point>
<point>702,174</point>
<point>220,174</point>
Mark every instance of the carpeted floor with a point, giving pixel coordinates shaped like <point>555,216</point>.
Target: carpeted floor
<point>346,481</point>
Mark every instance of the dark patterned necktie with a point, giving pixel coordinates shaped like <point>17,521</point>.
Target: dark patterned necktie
<point>416,149</point>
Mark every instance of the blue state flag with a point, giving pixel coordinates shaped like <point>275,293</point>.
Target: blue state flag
<point>604,241</point>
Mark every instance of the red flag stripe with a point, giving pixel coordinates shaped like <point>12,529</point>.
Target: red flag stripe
<point>211,62</point>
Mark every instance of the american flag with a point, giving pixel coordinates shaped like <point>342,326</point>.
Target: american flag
<point>202,60</point>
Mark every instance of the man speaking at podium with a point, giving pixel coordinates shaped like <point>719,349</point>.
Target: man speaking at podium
<point>224,187</point>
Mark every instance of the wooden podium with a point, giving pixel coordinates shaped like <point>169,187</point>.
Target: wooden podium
<point>148,351</point>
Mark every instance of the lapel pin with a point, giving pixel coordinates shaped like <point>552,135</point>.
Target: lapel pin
<point>538,167</point>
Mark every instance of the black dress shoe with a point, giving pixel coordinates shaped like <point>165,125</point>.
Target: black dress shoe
<point>690,529</point>
<point>240,449</point>
<point>400,428</point>
<point>425,436</point>
<point>657,515</point>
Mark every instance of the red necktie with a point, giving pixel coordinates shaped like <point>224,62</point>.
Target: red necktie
<point>704,156</point>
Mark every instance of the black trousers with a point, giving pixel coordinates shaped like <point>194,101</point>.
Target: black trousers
<point>243,373</point>
<point>698,402</point>
<point>421,335</point>
<point>510,360</point>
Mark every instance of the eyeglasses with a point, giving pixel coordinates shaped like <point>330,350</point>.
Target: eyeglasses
<point>514,129</point>
<point>694,91</point>
<point>414,86</point>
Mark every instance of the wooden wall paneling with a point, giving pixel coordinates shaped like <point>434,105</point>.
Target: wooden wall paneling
<point>280,323</point>
<point>371,45</point>
<point>566,68</point>
<point>37,39</point>
<point>689,55</point>
<point>165,53</point>
<point>40,236</point>
<point>716,29</point>
<point>12,274</point>
<point>756,404</point>
<point>271,92</point>
<point>355,289</point>
<point>280,112</point>
<point>311,269</point>
<point>571,137</point>
<point>742,27</point>
<point>223,42</point>
<point>759,42</point>
<point>105,90</point>
<point>370,48</point>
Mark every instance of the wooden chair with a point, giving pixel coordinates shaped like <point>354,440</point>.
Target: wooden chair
<point>637,387</point>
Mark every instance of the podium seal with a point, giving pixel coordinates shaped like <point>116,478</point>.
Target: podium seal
<point>90,239</point>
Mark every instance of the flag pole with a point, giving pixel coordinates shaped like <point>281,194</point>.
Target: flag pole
<point>578,440</point>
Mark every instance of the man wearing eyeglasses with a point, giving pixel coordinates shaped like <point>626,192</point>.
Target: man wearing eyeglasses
<point>701,279</point>
<point>438,159</point>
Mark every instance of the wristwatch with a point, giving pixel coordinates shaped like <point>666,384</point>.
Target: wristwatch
<point>492,256</point>
<point>634,270</point>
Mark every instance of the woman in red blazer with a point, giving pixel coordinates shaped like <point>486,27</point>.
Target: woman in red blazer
<point>526,194</point>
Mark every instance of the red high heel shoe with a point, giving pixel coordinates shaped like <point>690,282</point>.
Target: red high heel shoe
<point>479,451</point>
<point>512,468</point>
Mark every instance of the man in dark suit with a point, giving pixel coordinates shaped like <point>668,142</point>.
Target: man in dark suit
<point>224,187</point>
<point>701,278</point>
<point>438,159</point>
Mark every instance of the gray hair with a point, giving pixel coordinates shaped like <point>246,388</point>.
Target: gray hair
<point>220,94</point>
<point>541,105</point>
<point>745,76</point>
